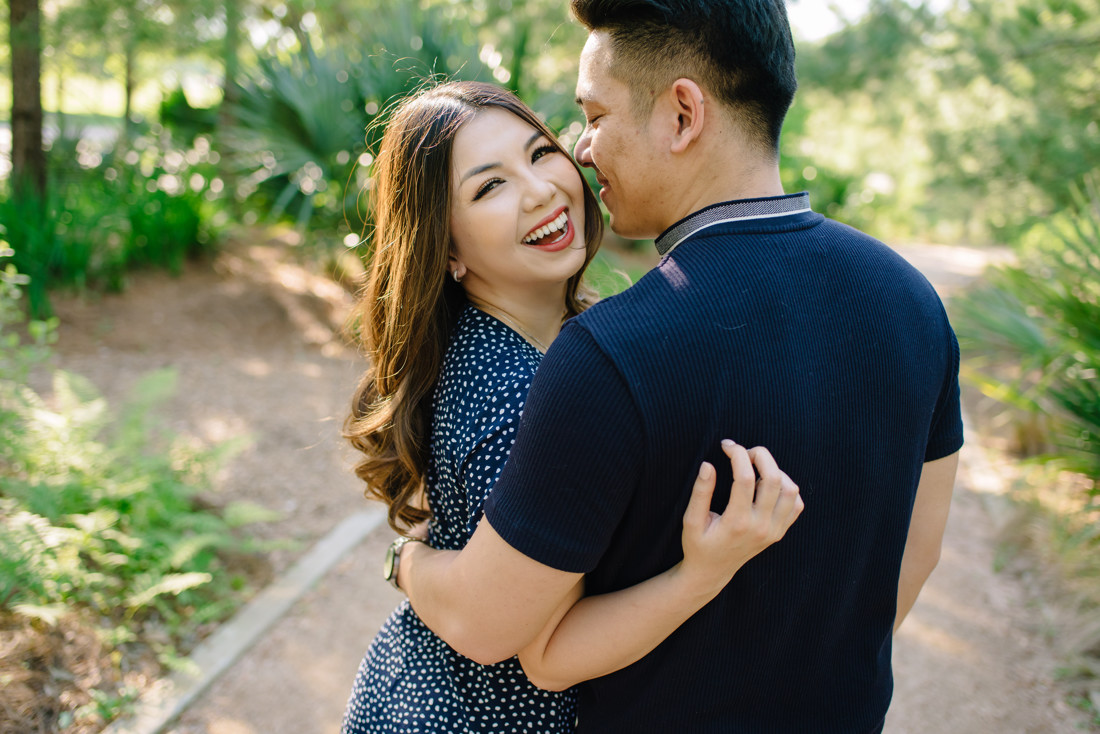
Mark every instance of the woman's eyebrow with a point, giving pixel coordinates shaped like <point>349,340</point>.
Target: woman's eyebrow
<point>479,169</point>
<point>531,140</point>
<point>496,164</point>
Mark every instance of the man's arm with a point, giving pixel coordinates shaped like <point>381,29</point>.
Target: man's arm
<point>925,539</point>
<point>487,601</point>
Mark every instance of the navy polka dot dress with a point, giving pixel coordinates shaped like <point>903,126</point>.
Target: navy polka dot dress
<point>412,682</point>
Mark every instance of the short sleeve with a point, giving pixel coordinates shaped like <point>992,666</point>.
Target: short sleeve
<point>496,432</point>
<point>946,436</point>
<point>576,461</point>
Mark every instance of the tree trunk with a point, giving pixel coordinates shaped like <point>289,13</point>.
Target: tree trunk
<point>128,111</point>
<point>27,156</point>
<point>230,93</point>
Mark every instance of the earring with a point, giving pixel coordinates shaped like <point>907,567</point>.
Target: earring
<point>454,274</point>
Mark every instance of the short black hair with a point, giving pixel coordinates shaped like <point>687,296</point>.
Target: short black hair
<point>741,51</point>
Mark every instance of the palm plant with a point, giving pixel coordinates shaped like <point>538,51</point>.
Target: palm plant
<point>1043,316</point>
<point>304,120</point>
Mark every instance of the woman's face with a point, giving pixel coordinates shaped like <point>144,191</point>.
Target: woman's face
<point>517,215</point>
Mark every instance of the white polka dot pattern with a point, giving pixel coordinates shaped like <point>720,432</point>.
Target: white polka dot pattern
<point>411,681</point>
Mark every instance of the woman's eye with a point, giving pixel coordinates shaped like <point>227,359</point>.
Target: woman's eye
<point>541,151</point>
<point>486,187</point>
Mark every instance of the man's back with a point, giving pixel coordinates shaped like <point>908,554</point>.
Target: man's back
<point>794,333</point>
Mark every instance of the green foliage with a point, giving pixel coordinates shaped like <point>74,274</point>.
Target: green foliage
<point>1031,337</point>
<point>297,135</point>
<point>1020,90</point>
<point>152,207</point>
<point>98,509</point>
<point>967,123</point>
<point>610,273</point>
<point>184,121</point>
<point>1044,316</point>
<point>304,118</point>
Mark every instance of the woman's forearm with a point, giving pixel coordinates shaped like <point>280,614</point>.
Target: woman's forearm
<point>487,601</point>
<point>604,633</point>
<point>601,634</point>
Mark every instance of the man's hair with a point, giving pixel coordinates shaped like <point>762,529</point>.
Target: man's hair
<point>739,50</point>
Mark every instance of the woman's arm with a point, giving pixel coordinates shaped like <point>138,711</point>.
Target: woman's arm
<point>592,636</point>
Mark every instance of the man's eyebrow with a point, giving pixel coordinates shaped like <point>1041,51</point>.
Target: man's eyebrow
<point>497,164</point>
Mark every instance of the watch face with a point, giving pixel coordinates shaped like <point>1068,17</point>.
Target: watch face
<point>388,563</point>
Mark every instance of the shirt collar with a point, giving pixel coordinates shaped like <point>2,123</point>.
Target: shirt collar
<point>731,211</point>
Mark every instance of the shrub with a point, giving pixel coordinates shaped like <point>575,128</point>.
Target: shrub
<point>185,122</point>
<point>304,119</point>
<point>1042,318</point>
<point>1032,336</point>
<point>103,214</point>
<point>100,514</point>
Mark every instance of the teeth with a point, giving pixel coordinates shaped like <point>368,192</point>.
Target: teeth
<point>554,226</point>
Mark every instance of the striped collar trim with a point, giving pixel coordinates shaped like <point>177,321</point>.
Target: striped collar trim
<point>731,211</point>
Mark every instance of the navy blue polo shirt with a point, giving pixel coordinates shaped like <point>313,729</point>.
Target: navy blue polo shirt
<point>769,324</point>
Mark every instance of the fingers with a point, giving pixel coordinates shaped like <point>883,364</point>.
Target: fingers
<point>771,479</point>
<point>788,507</point>
<point>698,510</point>
<point>762,494</point>
<point>744,478</point>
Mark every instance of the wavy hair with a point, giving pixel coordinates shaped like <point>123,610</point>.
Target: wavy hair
<point>409,304</point>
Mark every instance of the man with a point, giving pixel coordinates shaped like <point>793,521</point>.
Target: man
<point>765,323</point>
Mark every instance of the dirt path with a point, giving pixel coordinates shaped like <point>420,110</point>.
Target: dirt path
<point>253,345</point>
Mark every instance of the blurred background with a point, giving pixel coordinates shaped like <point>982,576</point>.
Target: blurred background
<point>147,142</point>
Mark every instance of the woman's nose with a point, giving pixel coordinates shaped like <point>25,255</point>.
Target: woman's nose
<point>540,189</point>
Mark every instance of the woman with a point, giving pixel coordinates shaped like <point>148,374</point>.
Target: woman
<point>484,226</point>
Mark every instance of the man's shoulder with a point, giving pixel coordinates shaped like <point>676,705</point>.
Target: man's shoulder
<point>862,250</point>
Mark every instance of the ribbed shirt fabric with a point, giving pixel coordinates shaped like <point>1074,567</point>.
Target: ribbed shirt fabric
<point>792,332</point>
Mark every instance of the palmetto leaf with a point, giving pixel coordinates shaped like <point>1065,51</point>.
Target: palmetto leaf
<point>1044,316</point>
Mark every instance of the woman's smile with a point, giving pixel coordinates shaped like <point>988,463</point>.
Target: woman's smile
<point>554,233</point>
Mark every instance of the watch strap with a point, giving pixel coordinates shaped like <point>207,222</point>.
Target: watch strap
<point>393,559</point>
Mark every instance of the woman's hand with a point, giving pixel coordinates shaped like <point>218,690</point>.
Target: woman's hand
<point>762,505</point>
<point>420,530</point>
<point>602,633</point>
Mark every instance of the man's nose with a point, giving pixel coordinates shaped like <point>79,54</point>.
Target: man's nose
<point>581,151</point>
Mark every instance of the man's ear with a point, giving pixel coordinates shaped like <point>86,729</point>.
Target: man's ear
<point>687,100</point>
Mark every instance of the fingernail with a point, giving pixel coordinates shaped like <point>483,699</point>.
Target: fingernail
<point>728,444</point>
<point>705,470</point>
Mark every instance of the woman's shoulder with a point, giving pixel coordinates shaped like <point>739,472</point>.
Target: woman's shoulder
<point>483,359</point>
<point>486,374</point>
<point>485,352</point>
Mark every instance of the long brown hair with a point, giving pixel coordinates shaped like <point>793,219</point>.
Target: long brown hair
<point>409,304</point>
